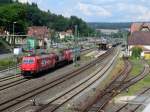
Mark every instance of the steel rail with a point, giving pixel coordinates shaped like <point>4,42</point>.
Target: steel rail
<point>18,99</point>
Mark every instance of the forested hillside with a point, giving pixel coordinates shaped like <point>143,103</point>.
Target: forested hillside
<point>26,15</point>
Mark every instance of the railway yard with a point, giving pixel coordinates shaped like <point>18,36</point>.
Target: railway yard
<point>91,87</point>
<point>74,56</point>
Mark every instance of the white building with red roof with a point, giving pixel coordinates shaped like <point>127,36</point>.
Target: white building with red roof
<point>68,33</point>
<point>140,37</point>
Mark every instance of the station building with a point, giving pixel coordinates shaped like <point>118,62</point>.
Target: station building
<point>140,37</point>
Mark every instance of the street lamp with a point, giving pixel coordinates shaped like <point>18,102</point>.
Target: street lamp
<point>14,33</point>
<point>13,43</point>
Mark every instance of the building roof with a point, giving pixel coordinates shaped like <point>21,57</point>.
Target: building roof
<point>138,26</point>
<point>39,32</point>
<point>139,38</point>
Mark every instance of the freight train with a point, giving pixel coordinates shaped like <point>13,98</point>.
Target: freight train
<point>31,65</point>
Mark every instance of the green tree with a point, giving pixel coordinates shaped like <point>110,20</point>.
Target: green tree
<point>136,52</point>
<point>26,15</point>
<point>13,13</point>
<point>5,1</point>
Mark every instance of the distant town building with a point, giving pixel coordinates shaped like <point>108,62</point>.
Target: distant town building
<point>108,31</point>
<point>140,37</point>
<point>68,33</point>
<point>39,32</point>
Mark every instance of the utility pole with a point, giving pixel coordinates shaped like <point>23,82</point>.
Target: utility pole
<point>75,46</point>
<point>13,40</point>
<point>13,45</point>
<point>126,40</point>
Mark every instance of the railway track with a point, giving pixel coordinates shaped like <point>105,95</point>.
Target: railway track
<point>29,94</point>
<point>137,106</point>
<point>12,67</point>
<point>137,78</point>
<point>60,99</point>
<point>123,85</point>
<point>12,83</point>
<point>2,79</point>
<point>133,81</point>
<point>8,69</point>
<point>7,80</point>
<point>83,52</point>
<point>109,92</point>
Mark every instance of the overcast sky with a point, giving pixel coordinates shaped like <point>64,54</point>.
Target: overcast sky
<point>99,10</point>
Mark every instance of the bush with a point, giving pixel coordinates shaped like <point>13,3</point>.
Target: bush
<point>136,52</point>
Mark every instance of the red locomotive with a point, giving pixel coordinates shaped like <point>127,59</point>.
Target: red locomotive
<point>31,65</point>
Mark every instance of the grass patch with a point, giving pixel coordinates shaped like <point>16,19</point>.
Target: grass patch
<point>139,86</point>
<point>137,67</point>
<point>86,58</point>
<point>5,63</point>
<point>118,68</point>
<point>144,83</point>
<point>148,61</point>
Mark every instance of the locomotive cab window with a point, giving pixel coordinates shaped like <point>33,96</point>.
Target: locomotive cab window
<point>28,61</point>
<point>25,61</point>
<point>31,61</point>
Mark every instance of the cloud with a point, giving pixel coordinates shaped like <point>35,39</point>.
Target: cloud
<point>30,1</point>
<point>135,12</point>
<point>67,12</point>
<point>93,10</point>
<point>98,10</point>
<point>85,9</point>
<point>23,1</point>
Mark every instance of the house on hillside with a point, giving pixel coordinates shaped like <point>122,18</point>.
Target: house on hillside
<point>68,33</point>
<point>140,37</point>
<point>41,33</point>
